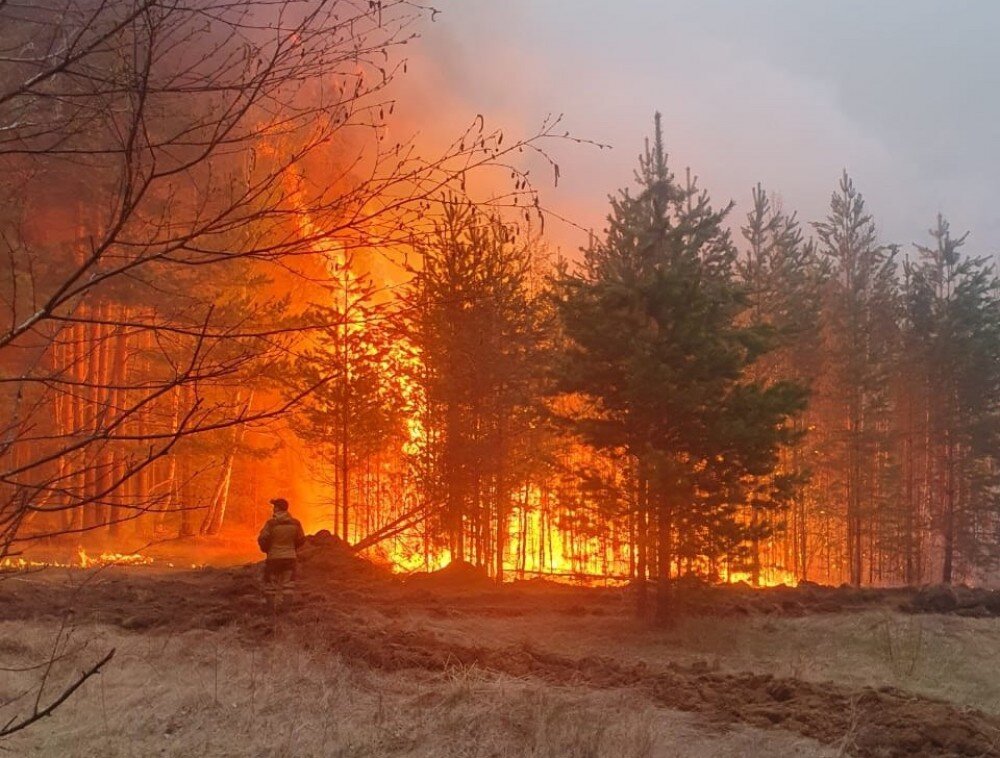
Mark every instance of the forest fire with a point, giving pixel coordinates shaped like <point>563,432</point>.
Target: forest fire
<point>17,563</point>
<point>315,441</point>
<point>367,338</point>
<point>111,559</point>
<point>406,556</point>
<point>534,550</point>
<point>361,331</point>
<point>83,560</point>
<point>771,577</point>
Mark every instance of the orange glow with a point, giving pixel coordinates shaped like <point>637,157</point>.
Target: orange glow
<point>769,577</point>
<point>405,554</point>
<point>535,546</point>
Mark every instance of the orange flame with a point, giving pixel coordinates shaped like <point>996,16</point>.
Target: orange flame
<point>769,577</point>
<point>117,559</point>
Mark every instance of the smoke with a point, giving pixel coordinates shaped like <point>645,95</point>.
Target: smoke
<point>781,92</point>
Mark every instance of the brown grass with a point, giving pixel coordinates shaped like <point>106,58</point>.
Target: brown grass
<point>366,666</point>
<point>208,693</point>
<point>944,657</point>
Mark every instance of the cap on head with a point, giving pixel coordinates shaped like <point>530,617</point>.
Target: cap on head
<point>280,504</point>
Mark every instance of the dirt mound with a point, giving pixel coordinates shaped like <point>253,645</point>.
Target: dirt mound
<point>206,598</point>
<point>936,599</point>
<point>456,576</point>
<point>740,599</point>
<point>326,556</point>
<point>960,600</point>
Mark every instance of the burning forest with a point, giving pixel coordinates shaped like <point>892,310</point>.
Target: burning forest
<point>252,307</point>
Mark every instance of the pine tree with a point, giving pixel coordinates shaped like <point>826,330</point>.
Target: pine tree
<point>654,342</point>
<point>472,319</point>
<point>860,341</point>
<point>954,316</point>
<point>913,432</point>
<point>783,278</point>
<point>355,408</point>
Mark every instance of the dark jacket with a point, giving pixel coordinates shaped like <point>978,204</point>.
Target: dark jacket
<point>281,536</point>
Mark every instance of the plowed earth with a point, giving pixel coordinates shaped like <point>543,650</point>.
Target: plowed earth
<point>357,610</point>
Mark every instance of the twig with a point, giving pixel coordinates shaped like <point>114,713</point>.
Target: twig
<point>37,715</point>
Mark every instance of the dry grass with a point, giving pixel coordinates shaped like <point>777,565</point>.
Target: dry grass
<point>205,693</point>
<point>945,657</point>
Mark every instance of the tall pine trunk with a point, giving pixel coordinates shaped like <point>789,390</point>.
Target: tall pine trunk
<point>642,535</point>
<point>948,567</point>
<point>664,559</point>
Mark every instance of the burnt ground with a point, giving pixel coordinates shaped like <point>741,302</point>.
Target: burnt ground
<point>359,611</point>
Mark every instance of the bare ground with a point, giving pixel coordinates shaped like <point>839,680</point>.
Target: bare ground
<point>538,668</point>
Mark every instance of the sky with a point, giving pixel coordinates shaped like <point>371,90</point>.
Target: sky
<point>904,94</point>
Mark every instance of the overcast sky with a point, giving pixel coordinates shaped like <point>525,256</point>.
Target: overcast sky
<point>904,94</point>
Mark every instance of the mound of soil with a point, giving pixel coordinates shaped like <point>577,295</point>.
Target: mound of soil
<point>740,599</point>
<point>960,600</point>
<point>456,576</point>
<point>141,598</point>
<point>326,556</point>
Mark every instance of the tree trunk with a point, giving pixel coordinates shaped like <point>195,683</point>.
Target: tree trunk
<point>664,528</point>
<point>642,534</point>
<point>948,568</point>
<point>345,487</point>
<point>500,498</point>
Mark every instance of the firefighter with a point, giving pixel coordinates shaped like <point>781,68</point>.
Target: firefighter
<point>280,539</point>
